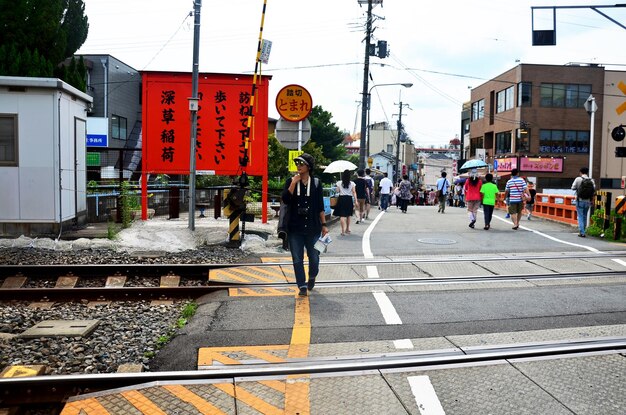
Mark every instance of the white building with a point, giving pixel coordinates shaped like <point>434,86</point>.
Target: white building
<point>42,155</point>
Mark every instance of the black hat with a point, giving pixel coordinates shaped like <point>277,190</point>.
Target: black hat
<point>307,159</point>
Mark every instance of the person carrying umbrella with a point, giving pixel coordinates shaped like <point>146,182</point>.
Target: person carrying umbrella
<point>472,196</point>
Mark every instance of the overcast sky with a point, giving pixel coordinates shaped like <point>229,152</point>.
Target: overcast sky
<point>443,47</point>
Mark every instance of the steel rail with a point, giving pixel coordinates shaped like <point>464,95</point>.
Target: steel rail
<point>198,271</point>
<point>57,388</point>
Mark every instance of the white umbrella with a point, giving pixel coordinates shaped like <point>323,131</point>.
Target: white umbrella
<point>339,166</point>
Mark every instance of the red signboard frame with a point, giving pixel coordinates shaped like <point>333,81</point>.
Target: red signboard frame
<point>222,127</point>
<point>222,120</point>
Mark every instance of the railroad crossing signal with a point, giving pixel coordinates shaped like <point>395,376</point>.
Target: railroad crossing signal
<point>622,107</point>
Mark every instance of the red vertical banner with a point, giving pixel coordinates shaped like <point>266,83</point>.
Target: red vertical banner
<point>222,123</point>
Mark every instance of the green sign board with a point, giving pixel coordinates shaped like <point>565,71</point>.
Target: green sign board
<point>93,159</point>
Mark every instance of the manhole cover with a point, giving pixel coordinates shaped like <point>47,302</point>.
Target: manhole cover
<point>437,241</point>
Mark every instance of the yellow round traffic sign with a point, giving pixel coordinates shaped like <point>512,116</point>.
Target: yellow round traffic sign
<point>294,103</point>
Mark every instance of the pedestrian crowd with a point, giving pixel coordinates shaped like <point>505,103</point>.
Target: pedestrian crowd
<point>304,219</point>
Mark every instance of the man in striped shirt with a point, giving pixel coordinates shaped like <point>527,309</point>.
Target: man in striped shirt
<point>515,188</point>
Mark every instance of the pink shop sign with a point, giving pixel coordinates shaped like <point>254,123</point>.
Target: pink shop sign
<point>541,164</point>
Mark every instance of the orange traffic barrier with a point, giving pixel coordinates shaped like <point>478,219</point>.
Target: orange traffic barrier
<point>559,208</point>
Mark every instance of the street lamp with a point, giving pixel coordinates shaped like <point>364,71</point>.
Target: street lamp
<point>365,146</point>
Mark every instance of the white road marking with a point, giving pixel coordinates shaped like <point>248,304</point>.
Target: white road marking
<point>372,271</point>
<point>619,261</point>
<point>403,344</point>
<point>365,242</point>
<point>589,248</point>
<point>389,312</point>
<point>425,396</point>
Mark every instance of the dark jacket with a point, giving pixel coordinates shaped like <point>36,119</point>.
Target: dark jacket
<point>309,224</point>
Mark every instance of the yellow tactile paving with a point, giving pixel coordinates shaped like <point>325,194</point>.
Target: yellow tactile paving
<point>261,292</point>
<point>277,385</point>
<point>248,274</point>
<point>142,403</point>
<point>184,394</point>
<point>206,355</point>
<point>89,406</point>
<point>297,399</point>
<point>275,271</point>
<point>253,401</point>
<point>301,333</point>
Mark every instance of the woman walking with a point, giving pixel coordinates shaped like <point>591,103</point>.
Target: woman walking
<point>307,220</point>
<point>405,193</point>
<point>472,196</point>
<point>489,192</point>
<point>345,202</point>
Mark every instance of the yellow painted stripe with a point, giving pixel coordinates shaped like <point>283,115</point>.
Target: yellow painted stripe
<point>269,271</point>
<point>622,87</point>
<point>263,355</point>
<point>206,358</point>
<point>277,385</point>
<point>275,259</point>
<point>89,406</point>
<point>621,108</point>
<point>251,274</point>
<point>247,348</point>
<point>142,403</point>
<point>184,394</point>
<point>255,402</point>
<point>227,275</point>
<point>297,400</point>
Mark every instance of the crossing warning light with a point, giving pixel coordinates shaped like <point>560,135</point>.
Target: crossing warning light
<point>618,133</point>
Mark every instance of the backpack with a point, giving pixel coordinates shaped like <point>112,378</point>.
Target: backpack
<point>586,189</point>
<point>283,215</point>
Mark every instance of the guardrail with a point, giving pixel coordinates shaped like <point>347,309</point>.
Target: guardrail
<point>561,208</point>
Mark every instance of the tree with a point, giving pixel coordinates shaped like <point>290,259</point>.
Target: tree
<point>39,35</point>
<point>277,159</point>
<point>326,134</point>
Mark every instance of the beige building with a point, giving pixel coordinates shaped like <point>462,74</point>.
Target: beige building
<point>384,139</point>
<point>614,103</point>
<point>533,117</point>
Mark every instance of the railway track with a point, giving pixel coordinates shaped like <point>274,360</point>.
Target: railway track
<point>53,390</point>
<point>199,275</point>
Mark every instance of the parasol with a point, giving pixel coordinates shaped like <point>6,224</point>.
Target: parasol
<point>339,166</point>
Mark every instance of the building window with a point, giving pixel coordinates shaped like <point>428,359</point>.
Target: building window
<point>503,142</point>
<point>478,110</point>
<point>563,141</point>
<point>522,139</point>
<point>505,99</point>
<point>118,127</point>
<point>389,148</point>
<point>524,94</point>
<point>564,95</point>
<point>8,140</point>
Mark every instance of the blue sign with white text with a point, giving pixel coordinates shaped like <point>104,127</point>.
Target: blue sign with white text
<point>97,140</point>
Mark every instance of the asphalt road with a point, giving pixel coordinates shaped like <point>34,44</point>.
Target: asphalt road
<point>339,315</point>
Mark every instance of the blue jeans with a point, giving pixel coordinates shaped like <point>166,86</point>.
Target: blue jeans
<point>582,207</point>
<point>297,243</point>
<point>384,201</point>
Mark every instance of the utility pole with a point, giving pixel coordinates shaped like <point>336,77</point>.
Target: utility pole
<point>399,134</point>
<point>365,98</point>
<point>193,108</point>
<point>398,140</point>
